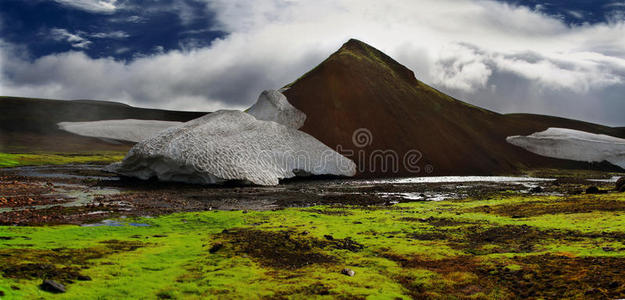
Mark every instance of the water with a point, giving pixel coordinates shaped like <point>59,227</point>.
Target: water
<point>458,179</point>
<point>611,180</point>
<point>114,223</point>
<point>61,172</point>
<point>77,193</point>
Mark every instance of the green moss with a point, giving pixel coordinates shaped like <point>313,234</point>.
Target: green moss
<point>408,250</point>
<point>35,159</point>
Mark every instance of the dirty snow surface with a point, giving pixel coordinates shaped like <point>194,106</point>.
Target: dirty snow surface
<point>125,130</point>
<point>231,145</point>
<point>574,145</point>
<point>273,106</point>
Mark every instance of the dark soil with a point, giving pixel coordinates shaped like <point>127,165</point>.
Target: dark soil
<point>566,206</point>
<point>61,264</point>
<point>284,249</point>
<point>540,276</point>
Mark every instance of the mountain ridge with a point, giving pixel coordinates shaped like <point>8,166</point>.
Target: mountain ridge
<point>359,87</point>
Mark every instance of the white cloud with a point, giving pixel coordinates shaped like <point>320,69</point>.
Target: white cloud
<point>96,6</point>
<point>75,40</point>
<point>78,39</point>
<point>474,49</point>
<point>110,35</point>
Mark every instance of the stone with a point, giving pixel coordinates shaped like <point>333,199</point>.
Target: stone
<point>620,184</point>
<point>592,190</point>
<point>216,247</point>
<point>52,286</point>
<point>83,278</point>
<point>348,272</point>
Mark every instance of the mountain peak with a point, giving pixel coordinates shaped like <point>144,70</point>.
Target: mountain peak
<point>356,52</point>
<point>359,48</point>
<point>354,44</point>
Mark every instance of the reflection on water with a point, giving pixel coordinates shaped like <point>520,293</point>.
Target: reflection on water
<point>64,172</point>
<point>458,179</point>
<point>78,195</point>
<point>115,223</point>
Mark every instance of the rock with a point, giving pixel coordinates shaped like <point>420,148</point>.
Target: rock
<point>348,272</point>
<point>620,184</point>
<point>231,145</point>
<point>216,247</point>
<point>83,278</point>
<point>52,286</point>
<point>592,190</point>
<point>536,189</point>
<point>572,144</point>
<point>273,106</point>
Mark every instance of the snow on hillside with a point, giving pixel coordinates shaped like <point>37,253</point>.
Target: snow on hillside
<point>125,130</point>
<point>572,144</point>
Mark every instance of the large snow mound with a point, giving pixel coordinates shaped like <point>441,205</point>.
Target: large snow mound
<point>574,145</point>
<point>273,106</point>
<point>125,130</point>
<point>231,145</point>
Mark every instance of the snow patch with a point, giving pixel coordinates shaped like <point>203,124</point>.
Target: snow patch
<point>273,106</point>
<point>232,145</point>
<point>130,130</point>
<point>572,144</point>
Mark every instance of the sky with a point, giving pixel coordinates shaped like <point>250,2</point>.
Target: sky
<point>558,57</point>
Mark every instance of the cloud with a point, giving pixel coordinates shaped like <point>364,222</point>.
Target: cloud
<point>110,35</point>
<point>505,57</point>
<point>95,6</point>
<point>78,39</point>
<point>75,40</point>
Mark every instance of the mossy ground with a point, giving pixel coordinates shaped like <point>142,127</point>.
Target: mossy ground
<point>37,159</point>
<point>500,247</point>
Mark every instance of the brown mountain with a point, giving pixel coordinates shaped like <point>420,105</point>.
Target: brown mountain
<point>358,87</point>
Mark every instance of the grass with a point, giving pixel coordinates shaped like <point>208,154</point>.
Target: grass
<point>36,159</point>
<point>449,249</point>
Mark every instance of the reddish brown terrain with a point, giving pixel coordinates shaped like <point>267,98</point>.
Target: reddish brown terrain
<point>361,87</point>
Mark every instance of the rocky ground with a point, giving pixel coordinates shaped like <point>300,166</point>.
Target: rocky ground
<point>120,238</point>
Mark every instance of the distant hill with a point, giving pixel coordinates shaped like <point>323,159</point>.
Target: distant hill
<point>29,124</point>
<point>360,87</point>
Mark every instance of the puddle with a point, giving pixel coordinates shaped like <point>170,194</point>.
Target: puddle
<point>77,195</point>
<point>611,180</point>
<point>114,223</point>
<point>423,196</point>
<point>455,179</point>
<point>63,172</point>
